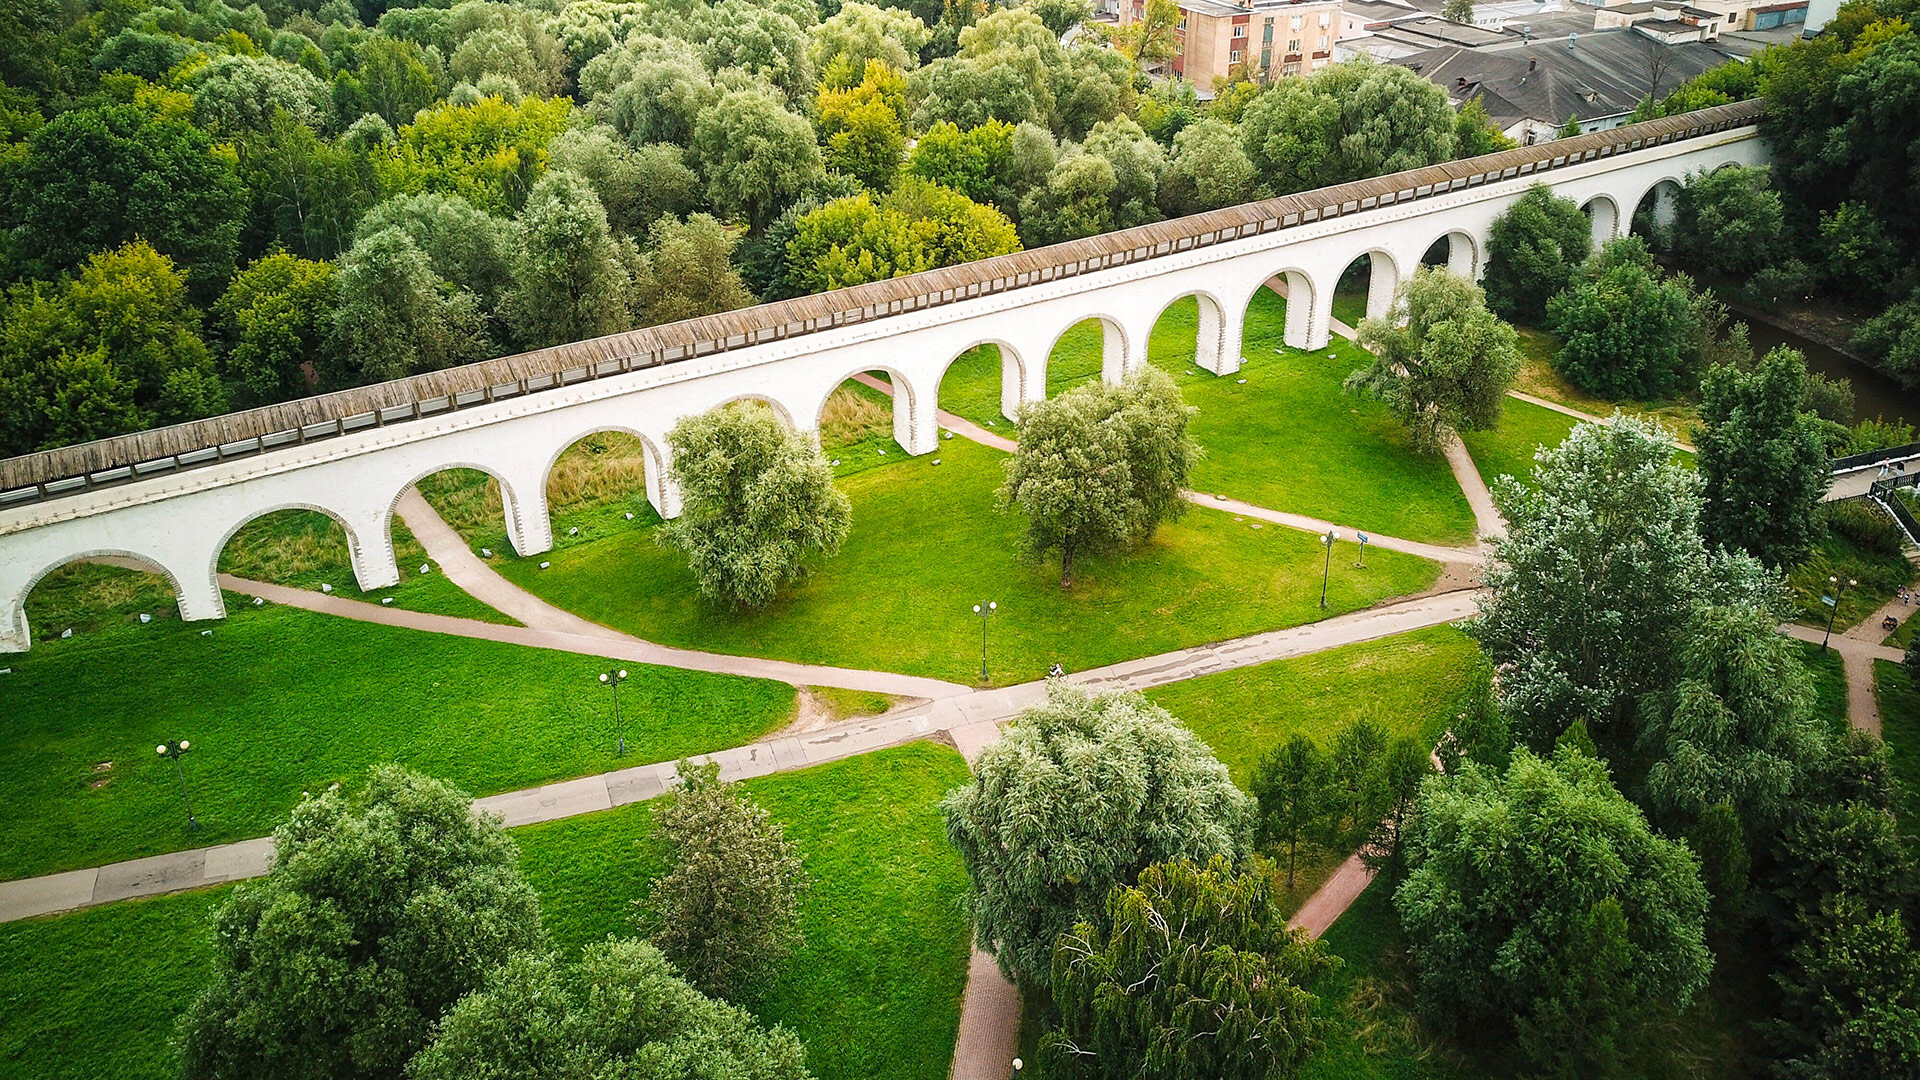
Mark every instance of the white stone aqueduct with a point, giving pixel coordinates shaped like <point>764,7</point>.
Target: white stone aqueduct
<point>173,498</point>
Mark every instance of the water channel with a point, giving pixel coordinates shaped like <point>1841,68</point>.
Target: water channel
<point>1874,393</point>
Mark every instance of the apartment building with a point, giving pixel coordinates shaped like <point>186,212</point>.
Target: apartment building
<point>1219,40</point>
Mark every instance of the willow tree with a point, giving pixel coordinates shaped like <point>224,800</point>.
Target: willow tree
<point>1442,362</point>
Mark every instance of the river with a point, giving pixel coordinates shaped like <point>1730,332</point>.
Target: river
<point>1874,394</point>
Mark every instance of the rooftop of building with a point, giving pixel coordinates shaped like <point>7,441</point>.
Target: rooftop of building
<point>1221,9</point>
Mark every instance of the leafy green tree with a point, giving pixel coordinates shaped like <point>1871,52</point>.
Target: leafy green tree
<point>383,908</point>
<point>306,192</point>
<point>569,281</point>
<point>858,33</point>
<point>278,319</point>
<point>1077,798</point>
<point>1347,121</point>
<point>1539,905</point>
<point>394,316</point>
<point>232,94</point>
<point>1293,786</point>
<point>1624,328</point>
<point>1398,774</point>
<point>619,1010</point>
<point>1459,11</point>
<point>1154,36</point>
<point>519,51</point>
<point>1442,362</point>
<point>1533,251</point>
<point>1596,581</point>
<point>1856,982</point>
<point>1763,459</point>
<point>1474,132</point>
<point>1729,221</point>
<point>766,43</point>
<point>687,271</point>
<point>1193,974</point>
<point>758,500</point>
<point>1891,340</point>
<point>1060,16</point>
<point>1075,201</point>
<point>727,909</point>
<point>1736,728</point>
<point>756,156</point>
<point>862,126</point>
<point>650,90</point>
<point>1208,169</point>
<point>468,247</point>
<point>1137,164</point>
<point>919,226</point>
<point>92,179</point>
<point>1858,256</point>
<point>489,152</point>
<point>968,94</point>
<point>636,186</point>
<point>1100,467</point>
<point>387,76</point>
<point>977,163</point>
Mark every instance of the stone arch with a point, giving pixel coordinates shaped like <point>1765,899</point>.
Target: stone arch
<point>1656,203</point>
<point>1216,342</point>
<point>1605,215</point>
<point>906,403</point>
<point>1116,352</point>
<point>13,619</point>
<point>658,483</point>
<point>1020,384</point>
<point>779,407</point>
<point>1309,306</point>
<point>1383,281</point>
<point>357,552</point>
<point>528,537</point>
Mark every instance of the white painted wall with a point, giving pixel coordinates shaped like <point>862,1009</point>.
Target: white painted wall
<point>180,522</point>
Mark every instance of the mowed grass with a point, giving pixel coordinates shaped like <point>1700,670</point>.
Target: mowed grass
<point>1289,438</point>
<point>971,388</point>
<point>97,993</point>
<point>1409,684</point>
<point>1508,449</point>
<point>278,701</point>
<point>1900,727</point>
<point>1537,377</point>
<point>1879,576</point>
<point>927,544</point>
<point>875,991</point>
<point>1077,357</point>
<point>597,488</point>
<point>1829,676</point>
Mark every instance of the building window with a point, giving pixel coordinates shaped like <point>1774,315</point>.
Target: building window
<point>1323,43</point>
<point>1239,32</point>
<point>1266,33</point>
<point>1293,46</point>
<point>1234,56</point>
<point>1296,22</point>
<point>1266,59</point>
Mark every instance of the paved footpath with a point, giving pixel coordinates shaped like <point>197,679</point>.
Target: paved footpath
<point>1856,658</point>
<point>964,717</point>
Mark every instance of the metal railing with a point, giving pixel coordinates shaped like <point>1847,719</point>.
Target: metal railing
<point>1886,493</point>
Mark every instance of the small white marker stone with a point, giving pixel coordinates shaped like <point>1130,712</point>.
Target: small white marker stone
<point>1333,356</point>
<point>1219,498</point>
<point>544,565</point>
<point>1240,380</point>
<point>1189,371</point>
<point>486,553</point>
<point>990,423</point>
<point>424,568</point>
<point>145,618</point>
<point>629,515</point>
<point>6,671</point>
<point>883,453</point>
<point>1257,525</point>
<point>386,600</point>
<point>836,461</point>
<point>946,434</point>
<point>67,633</point>
<point>936,461</point>
<point>206,633</point>
<point>325,588</point>
<point>575,531</point>
<point>259,600</point>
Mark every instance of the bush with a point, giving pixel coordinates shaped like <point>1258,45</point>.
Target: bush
<point>1865,526</point>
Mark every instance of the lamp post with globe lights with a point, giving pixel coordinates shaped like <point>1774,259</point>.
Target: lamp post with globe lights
<point>175,750</point>
<point>1833,602</point>
<point>985,612</point>
<point>1327,538</point>
<point>614,679</point>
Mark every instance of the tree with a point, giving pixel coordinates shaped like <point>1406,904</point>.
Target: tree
<point>1137,163</point>
<point>1100,467</point>
<point>1729,221</point>
<point>393,316</point>
<point>919,226</point>
<point>1076,201</point>
<point>1764,461</point>
<point>235,94</point>
<point>767,43</point>
<point>1060,16</point>
<point>569,282</point>
<point>1474,132</point>
<point>1347,121</point>
<point>758,500</point>
<point>1193,974</point>
<point>1442,362</point>
<point>1292,784</point>
<point>489,152</point>
<point>1597,579</point>
<point>1209,169</point>
<point>1856,981</point>
<point>1737,728</point>
<point>382,909</point>
<point>1624,328</point>
<point>727,909</point>
<point>650,90</point>
<point>637,186</point>
<point>387,76</point>
<point>862,126</point>
<point>1459,11</point>
<point>1891,340</point>
<point>756,156</point>
<point>468,247</point>
<point>688,271</point>
<point>1080,795</point>
<point>1154,36</point>
<point>859,33</point>
<point>1539,904</point>
<point>977,163</point>
<point>1533,251</point>
<point>92,179</point>
<point>278,317</point>
<point>619,1010</point>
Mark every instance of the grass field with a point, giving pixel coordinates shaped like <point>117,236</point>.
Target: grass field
<point>1289,438</point>
<point>1900,727</point>
<point>1538,377</point>
<point>927,544</point>
<point>1829,682</point>
<point>1076,357</point>
<point>971,387</point>
<point>278,701</point>
<point>874,993</point>
<point>1409,684</point>
<point>1880,576</point>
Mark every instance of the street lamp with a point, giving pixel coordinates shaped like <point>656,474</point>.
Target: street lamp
<point>984,613</point>
<point>1833,602</point>
<point>176,750</point>
<point>614,679</point>
<point>1327,538</point>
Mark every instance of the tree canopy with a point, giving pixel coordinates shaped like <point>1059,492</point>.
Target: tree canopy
<point>1533,251</point>
<point>1442,362</point>
<point>1762,458</point>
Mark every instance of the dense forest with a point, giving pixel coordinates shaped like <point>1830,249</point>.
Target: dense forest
<point>207,207</point>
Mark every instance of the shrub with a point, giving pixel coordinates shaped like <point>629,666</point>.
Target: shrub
<point>1865,525</point>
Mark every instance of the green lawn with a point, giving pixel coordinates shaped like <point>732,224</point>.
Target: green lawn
<point>1508,449</point>
<point>1829,682</point>
<point>1900,727</point>
<point>1289,438</point>
<point>875,992</point>
<point>96,993</point>
<point>1409,684</point>
<point>1880,576</point>
<point>971,387</point>
<point>278,701</point>
<point>1076,357</point>
<point>927,544</point>
<point>1538,377</point>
